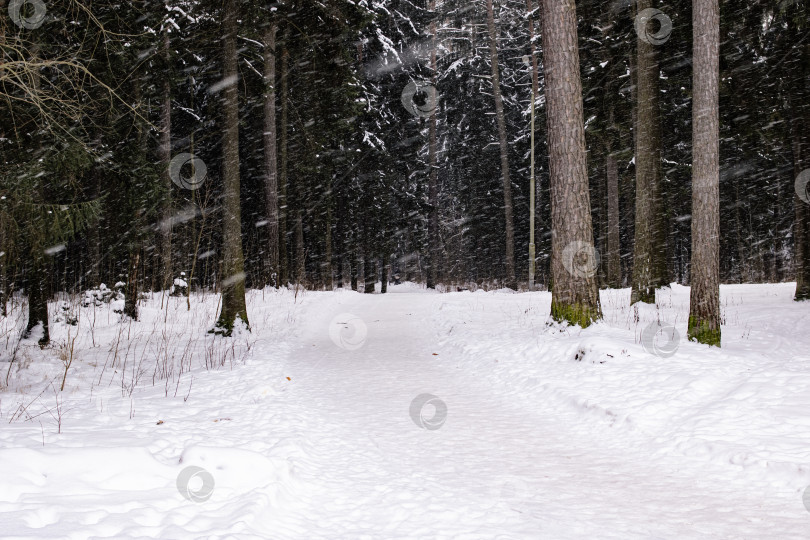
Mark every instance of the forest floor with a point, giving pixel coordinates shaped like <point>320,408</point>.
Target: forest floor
<point>315,425</point>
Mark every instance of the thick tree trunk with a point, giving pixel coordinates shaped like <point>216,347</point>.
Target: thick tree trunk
<point>434,251</point>
<point>704,308</point>
<point>614,263</point>
<point>271,154</point>
<point>233,274</point>
<point>509,266</point>
<point>165,156</point>
<point>575,294</point>
<point>284,263</point>
<point>649,256</point>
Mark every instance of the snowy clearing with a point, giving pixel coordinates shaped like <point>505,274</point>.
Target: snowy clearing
<point>306,427</point>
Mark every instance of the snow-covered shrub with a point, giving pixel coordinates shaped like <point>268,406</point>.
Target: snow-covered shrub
<point>180,286</point>
<point>64,314</point>
<point>100,296</point>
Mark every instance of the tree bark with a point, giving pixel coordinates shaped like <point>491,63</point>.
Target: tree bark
<point>369,273</point>
<point>800,145</point>
<point>131,296</point>
<point>386,266</point>
<point>233,274</point>
<point>284,263</point>
<point>300,252</point>
<point>38,294</point>
<point>509,267</point>
<point>704,306</point>
<point>37,282</point>
<point>575,294</point>
<point>5,241</point>
<point>165,156</point>
<point>271,154</point>
<point>535,93</point>
<point>648,253</point>
<point>354,263</point>
<point>614,263</point>
<point>434,252</point>
<point>327,272</point>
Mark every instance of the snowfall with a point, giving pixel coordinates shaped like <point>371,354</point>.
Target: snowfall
<point>412,414</point>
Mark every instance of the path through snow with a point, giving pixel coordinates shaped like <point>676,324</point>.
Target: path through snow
<point>313,439</point>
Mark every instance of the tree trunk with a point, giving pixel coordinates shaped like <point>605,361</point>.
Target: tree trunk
<point>355,263</point>
<point>131,297</point>
<point>165,156</point>
<point>648,253</point>
<point>38,294</point>
<point>5,241</point>
<point>535,93</point>
<point>704,307</point>
<point>800,145</point>
<point>369,273</point>
<point>270,154</point>
<point>37,282</point>
<point>300,252</point>
<point>504,144</point>
<point>284,263</point>
<point>614,263</point>
<point>233,274</point>
<point>434,251</point>
<point>385,273</point>
<point>575,294</point>
<point>326,268</point>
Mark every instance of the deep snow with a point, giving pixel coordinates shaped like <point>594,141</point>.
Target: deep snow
<point>410,415</point>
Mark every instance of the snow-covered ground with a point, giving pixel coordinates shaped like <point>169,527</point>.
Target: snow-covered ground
<point>409,415</point>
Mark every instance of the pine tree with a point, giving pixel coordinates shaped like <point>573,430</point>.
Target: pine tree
<point>233,274</point>
<point>575,296</point>
<point>704,306</point>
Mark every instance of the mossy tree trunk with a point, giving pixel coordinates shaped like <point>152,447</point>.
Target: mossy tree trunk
<point>575,294</point>
<point>704,305</point>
